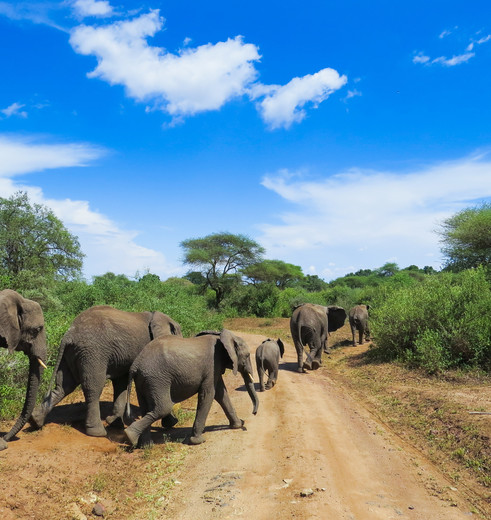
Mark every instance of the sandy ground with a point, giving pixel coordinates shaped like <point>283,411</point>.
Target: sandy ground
<point>311,452</point>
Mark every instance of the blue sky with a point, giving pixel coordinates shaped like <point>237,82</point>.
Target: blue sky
<point>338,134</point>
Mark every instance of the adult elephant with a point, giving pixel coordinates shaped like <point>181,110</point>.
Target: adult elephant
<point>358,320</point>
<point>310,325</point>
<point>170,370</point>
<point>101,344</point>
<point>22,328</point>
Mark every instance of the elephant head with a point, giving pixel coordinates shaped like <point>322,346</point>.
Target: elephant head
<point>240,361</point>
<point>336,317</point>
<point>22,328</point>
<point>160,325</point>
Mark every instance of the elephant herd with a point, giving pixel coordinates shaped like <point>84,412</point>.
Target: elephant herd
<point>148,349</point>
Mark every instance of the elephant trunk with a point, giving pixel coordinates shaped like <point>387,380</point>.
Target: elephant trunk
<point>249,384</point>
<point>35,372</point>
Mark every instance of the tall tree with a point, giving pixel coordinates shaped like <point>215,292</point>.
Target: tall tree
<point>274,271</point>
<point>466,238</point>
<point>34,244</point>
<point>219,257</point>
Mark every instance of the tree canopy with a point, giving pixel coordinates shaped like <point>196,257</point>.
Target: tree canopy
<point>466,238</point>
<point>219,257</point>
<point>35,244</point>
<point>273,271</point>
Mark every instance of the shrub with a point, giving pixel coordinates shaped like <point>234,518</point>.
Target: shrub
<point>438,324</point>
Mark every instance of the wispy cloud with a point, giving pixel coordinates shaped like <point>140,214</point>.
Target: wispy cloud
<point>457,59</point>
<point>107,246</point>
<point>15,109</point>
<point>196,79</point>
<point>374,215</point>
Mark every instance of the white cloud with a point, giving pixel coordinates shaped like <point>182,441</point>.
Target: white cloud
<point>421,58</point>
<point>92,8</point>
<point>108,248</point>
<point>283,105</point>
<point>454,60</point>
<point>365,217</point>
<point>15,109</point>
<point>192,81</point>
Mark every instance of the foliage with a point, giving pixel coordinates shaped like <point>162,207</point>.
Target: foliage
<point>35,246</point>
<point>440,323</point>
<point>250,300</point>
<point>466,238</point>
<point>273,271</point>
<point>312,283</point>
<point>219,257</point>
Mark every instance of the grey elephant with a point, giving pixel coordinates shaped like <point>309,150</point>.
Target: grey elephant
<point>310,325</point>
<point>268,356</point>
<point>101,344</point>
<point>358,320</point>
<point>171,369</point>
<point>22,328</point>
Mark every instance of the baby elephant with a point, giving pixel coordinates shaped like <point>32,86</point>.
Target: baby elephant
<point>267,359</point>
<point>171,369</point>
<point>358,320</point>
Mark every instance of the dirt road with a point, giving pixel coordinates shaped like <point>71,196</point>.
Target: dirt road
<point>312,452</point>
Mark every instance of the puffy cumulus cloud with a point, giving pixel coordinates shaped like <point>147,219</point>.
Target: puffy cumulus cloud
<point>364,218</point>
<point>106,245</point>
<point>195,80</point>
<point>283,105</point>
<point>92,8</point>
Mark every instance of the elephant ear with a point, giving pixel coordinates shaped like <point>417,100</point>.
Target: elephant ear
<point>335,318</point>
<point>10,319</point>
<point>282,347</point>
<point>228,341</point>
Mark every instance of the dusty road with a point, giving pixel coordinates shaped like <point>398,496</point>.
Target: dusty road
<point>312,452</point>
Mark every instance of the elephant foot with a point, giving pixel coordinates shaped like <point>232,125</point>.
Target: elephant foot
<point>196,439</point>
<point>316,364</point>
<point>169,421</point>
<point>307,366</point>
<point>132,436</point>
<point>237,424</point>
<point>327,351</point>
<point>301,370</point>
<point>96,431</point>
<point>261,389</point>
<point>37,419</point>
<point>3,445</point>
<point>115,421</point>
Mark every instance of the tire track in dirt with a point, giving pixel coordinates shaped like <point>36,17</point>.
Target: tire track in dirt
<point>309,436</point>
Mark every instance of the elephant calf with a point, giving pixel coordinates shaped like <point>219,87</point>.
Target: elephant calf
<point>358,320</point>
<point>268,356</point>
<point>172,369</point>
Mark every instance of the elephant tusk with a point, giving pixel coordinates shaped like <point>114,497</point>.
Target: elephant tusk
<point>250,375</point>
<point>40,361</point>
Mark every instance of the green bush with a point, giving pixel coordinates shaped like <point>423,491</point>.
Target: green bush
<point>440,323</point>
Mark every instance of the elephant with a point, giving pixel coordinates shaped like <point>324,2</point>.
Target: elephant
<point>358,320</point>
<point>22,328</point>
<point>170,370</point>
<point>310,325</point>
<point>268,356</point>
<point>101,343</point>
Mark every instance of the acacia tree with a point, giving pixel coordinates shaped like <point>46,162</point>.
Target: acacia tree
<point>34,244</point>
<point>219,257</point>
<point>466,238</point>
<point>273,271</point>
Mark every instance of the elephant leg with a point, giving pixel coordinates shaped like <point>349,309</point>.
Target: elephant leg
<point>307,364</point>
<point>92,388</point>
<point>138,433</point>
<point>65,384</point>
<point>119,387</point>
<point>316,353</point>
<point>223,399</point>
<point>360,335</point>
<point>327,350</point>
<point>260,373</point>
<point>353,332</point>
<point>205,399</point>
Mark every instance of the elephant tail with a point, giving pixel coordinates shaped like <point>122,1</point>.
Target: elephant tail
<point>57,365</point>
<point>127,416</point>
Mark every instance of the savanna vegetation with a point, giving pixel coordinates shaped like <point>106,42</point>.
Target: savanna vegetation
<point>424,318</point>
